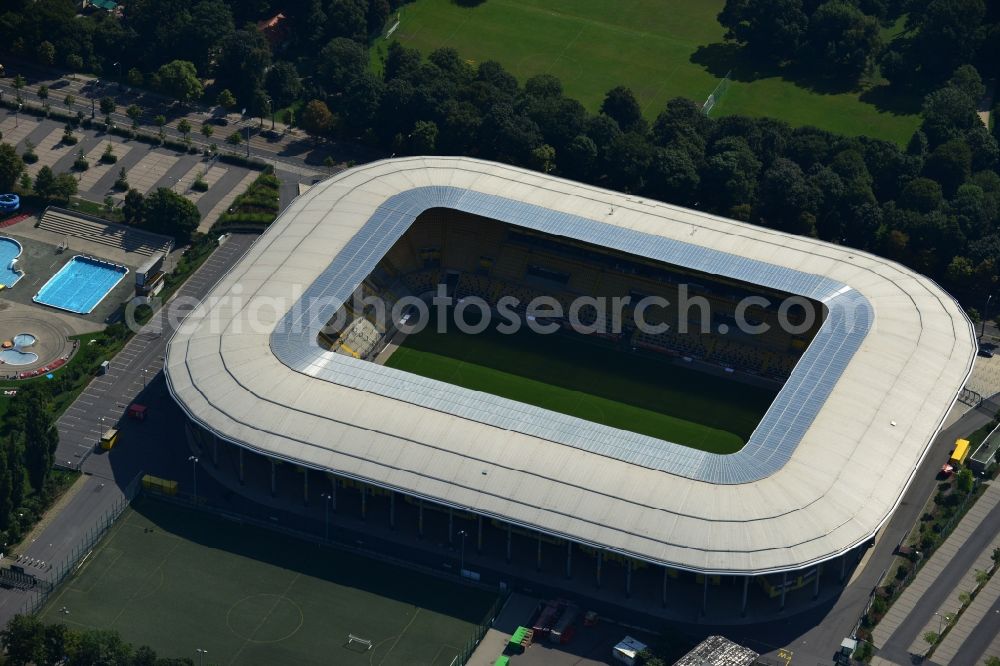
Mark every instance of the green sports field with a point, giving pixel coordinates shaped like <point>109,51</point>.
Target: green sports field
<point>180,580</point>
<point>658,48</point>
<point>594,381</point>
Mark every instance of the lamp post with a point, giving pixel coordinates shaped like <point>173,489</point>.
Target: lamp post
<point>461,565</point>
<point>201,655</point>
<point>194,475</point>
<point>986,314</point>
<point>15,113</point>
<point>247,120</point>
<point>326,513</point>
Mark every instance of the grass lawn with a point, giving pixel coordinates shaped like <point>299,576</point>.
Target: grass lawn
<point>573,375</point>
<point>658,49</point>
<point>179,580</point>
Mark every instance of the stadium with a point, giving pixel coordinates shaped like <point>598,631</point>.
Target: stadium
<point>686,445</point>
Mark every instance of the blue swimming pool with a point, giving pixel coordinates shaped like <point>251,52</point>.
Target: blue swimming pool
<point>80,285</point>
<point>10,250</point>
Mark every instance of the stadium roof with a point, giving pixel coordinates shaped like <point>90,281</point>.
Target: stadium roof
<point>822,472</point>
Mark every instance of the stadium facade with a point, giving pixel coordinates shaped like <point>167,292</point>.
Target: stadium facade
<point>822,472</point>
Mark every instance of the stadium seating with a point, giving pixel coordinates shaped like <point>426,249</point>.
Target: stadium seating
<point>489,259</point>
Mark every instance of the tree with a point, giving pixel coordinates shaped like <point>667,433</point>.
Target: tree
<point>164,211</point>
<point>283,84</point>
<point>107,105</point>
<point>922,195</point>
<point>842,40</point>
<point>207,130</point>
<point>226,99</point>
<point>423,138</point>
<point>947,35</point>
<point>966,78</point>
<point>316,118</point>
<point>11,166</point>
<point>45,181</point>
<point>339,63</point>
<point>950,164</point>
<point>982,577</point>
<point>74,62</point>
<point>43,92</point>
<point>69,100</point>
<point>620,104</point>
<point>544,158</point>
<point>134,112</point>
<point>243,58</point>
<point>964,480</point>
<point>65,187</point>
<point>23,640</point>
<point>771,28</point>
<point>132,207</point>
<point>184,127</point>
<point>948,113</point>
<point>179,79</point>
<point>931,637</point>
<point>46,53</point>
<point>134,77</point>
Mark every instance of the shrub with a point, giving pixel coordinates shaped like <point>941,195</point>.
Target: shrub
<point>69,139</point>
<point>29,158</point>
<point>199,186</point>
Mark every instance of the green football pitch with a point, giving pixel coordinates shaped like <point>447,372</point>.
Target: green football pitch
<point>179,580</point>
<point>591,380</point>
<point>658,48</point>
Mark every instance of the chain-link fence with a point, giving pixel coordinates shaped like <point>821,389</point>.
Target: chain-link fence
<point>39,594</point>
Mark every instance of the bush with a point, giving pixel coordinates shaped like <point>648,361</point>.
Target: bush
<point>199,186</point>
<point>70,139</point>
<point>29,158</point>
<point>902,572</point>
<point>107,158</point>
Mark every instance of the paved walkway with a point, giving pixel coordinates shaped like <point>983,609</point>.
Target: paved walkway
<point>948,610</point>
<point>977,633</point>
<point>939,578</point>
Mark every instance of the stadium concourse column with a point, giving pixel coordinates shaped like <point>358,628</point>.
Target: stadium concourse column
<point>420,519</point>
<point>479,534</point>
<point>305,486</point>
<point>600,559</point>
<point>215,450</point>
<point>274,477</point>
<point>569,559</point>
<point>510,529</point>
<point>392,509</point>
<point>240,449</point>
<point>746,586</point>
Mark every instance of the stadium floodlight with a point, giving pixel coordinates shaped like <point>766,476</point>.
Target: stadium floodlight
<point>461,565</point>
<point>194,475</point>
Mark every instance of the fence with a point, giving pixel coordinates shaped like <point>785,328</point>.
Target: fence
<point>40,594</point>
<point>971,398</point>
<point>204,504</point>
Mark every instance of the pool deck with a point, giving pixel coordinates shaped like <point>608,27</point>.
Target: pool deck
<point>51,333</point>
<point>40,261</point>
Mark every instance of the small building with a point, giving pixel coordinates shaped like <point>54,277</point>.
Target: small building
<point>149,276</point>
<point>628,650</point>
<point>718,651</point>
<point>986,453</point>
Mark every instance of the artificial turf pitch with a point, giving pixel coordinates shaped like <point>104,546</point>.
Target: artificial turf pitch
<point>179,580</point>
<point>659,49</point>
<point>596,381</point>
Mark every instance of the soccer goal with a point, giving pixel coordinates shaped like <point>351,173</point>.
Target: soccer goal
<point>716,96</point>
<point>357,643</point>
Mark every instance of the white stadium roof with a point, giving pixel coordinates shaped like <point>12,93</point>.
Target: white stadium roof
<point>821,473</point>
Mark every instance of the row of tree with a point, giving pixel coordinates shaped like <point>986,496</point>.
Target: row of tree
<point>27,640</point>
<point>28,441</point>
<point>842,38</point>
<point>933,205</point>
<point>172,45</point>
